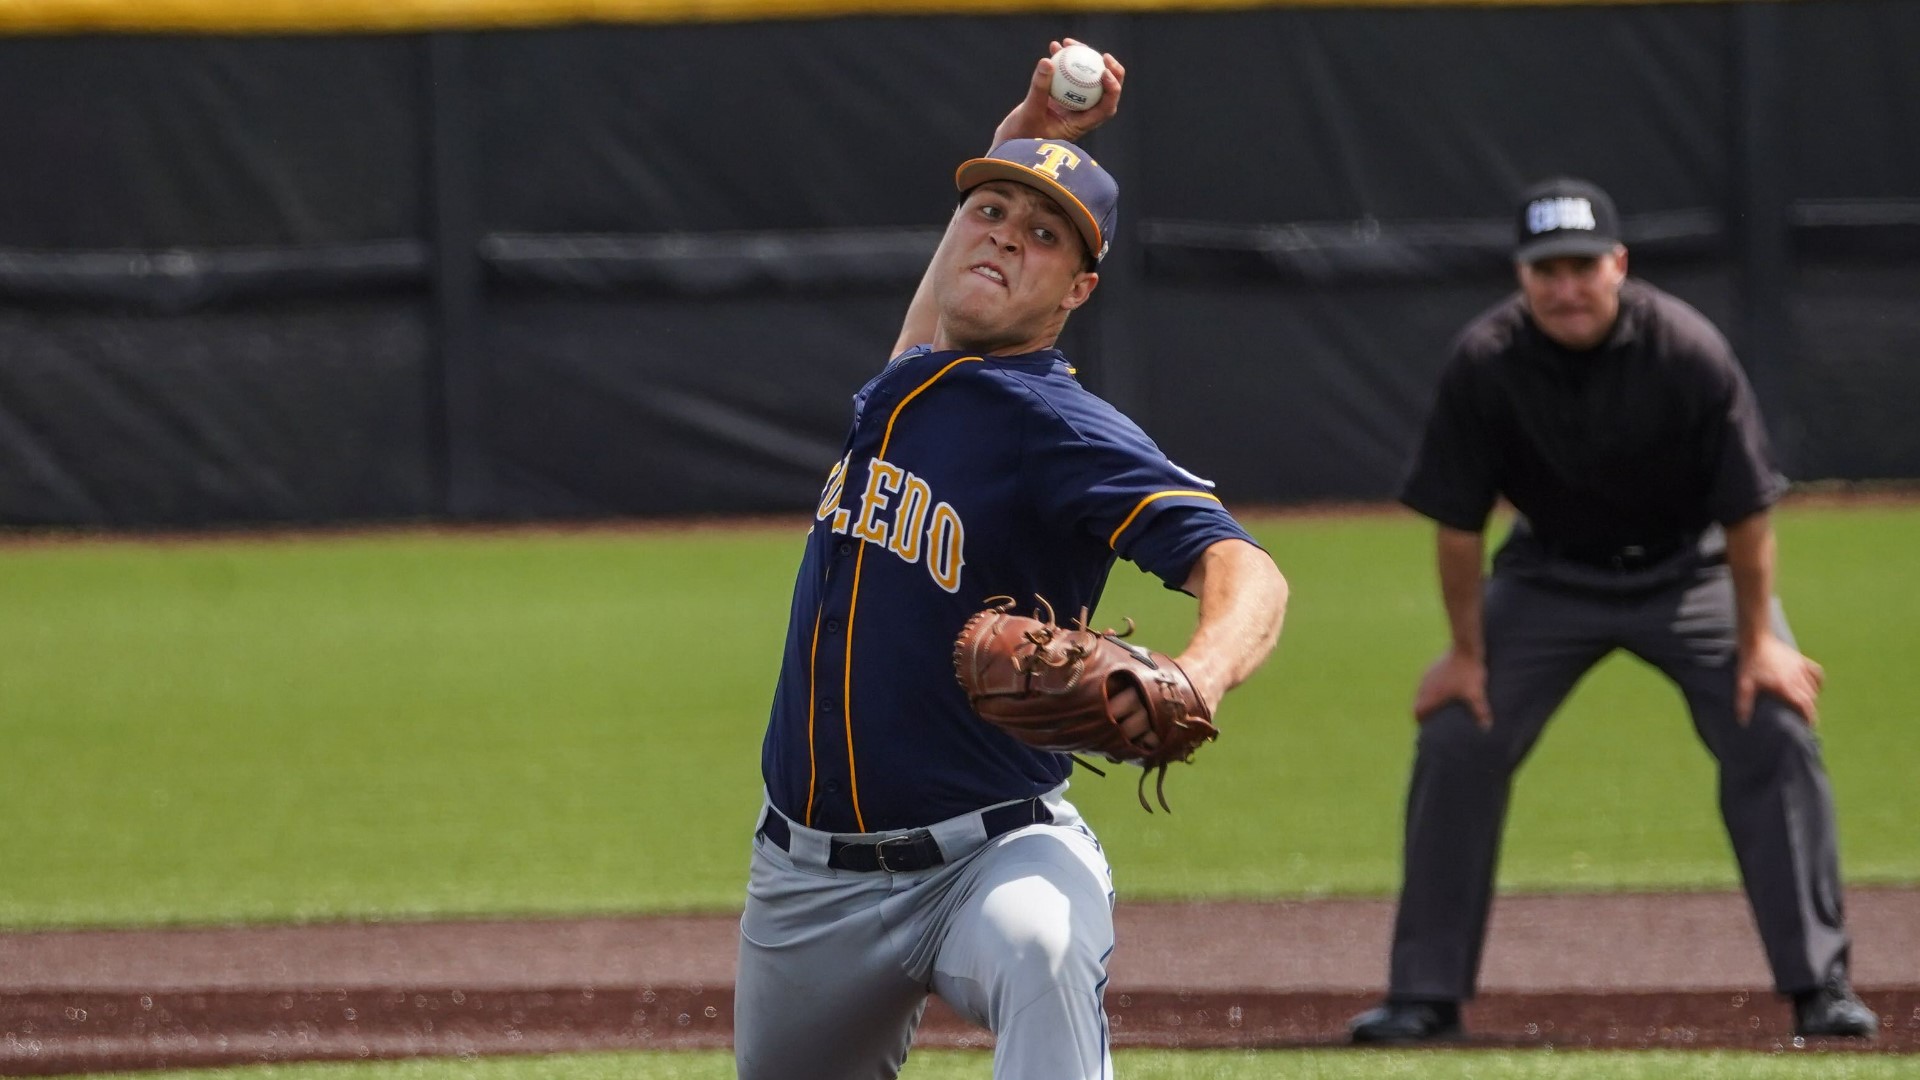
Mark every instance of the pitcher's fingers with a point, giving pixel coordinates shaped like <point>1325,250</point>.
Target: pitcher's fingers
<point>1042,81</point>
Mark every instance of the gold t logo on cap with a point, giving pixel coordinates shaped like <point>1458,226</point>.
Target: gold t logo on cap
<point>1052,156</point>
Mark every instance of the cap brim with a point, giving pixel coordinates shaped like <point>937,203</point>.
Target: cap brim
<point>1584,245</point>
<point>977,171</point>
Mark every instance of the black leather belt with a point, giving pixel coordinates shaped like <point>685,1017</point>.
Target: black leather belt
<point>1626,558</point>
<point>909,851</point>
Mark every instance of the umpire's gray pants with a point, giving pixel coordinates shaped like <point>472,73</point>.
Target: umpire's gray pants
<point>1540,640</point>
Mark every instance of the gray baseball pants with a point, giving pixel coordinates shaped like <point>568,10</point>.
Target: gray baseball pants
<point>1540,640</point>
<point>1014,933</point>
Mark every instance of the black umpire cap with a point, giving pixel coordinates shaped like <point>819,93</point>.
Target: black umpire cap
<point>1565,216</point>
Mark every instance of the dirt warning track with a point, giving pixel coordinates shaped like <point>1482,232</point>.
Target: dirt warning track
<point>1619,971</point>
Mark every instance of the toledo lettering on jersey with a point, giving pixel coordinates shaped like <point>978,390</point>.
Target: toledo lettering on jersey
<point>918,530</point>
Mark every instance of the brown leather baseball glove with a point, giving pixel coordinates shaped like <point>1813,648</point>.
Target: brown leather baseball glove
<point>1053,688</point>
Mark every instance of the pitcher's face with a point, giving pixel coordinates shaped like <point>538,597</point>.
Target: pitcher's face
<point>1010,268</point>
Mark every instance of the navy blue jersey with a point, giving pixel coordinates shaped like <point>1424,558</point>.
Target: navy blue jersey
<point>963,478</point>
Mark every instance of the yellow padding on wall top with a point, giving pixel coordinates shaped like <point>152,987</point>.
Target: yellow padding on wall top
<point>297,16</point>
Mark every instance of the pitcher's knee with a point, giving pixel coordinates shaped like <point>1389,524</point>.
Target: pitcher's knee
<point>1038,937</point>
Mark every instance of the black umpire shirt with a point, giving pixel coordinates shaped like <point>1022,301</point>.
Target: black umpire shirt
<point>1618,456</point>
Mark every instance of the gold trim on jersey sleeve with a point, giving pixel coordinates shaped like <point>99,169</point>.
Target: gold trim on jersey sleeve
<point>1114,540</point>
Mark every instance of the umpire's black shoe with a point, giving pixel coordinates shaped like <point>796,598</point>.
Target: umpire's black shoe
<point>1407,1022</point>
<point>1833,1010</point>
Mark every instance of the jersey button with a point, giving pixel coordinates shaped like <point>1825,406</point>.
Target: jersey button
<point>833,786</point>
<point>845,548</point>
<point>826,704</point>
<point>833,626</point>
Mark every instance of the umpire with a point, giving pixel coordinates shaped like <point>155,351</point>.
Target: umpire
<point>1617,422</point>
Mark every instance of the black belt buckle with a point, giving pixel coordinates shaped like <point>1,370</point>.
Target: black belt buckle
<point>1631,557</point>
<point>910,852</point>
<point>909,846</point>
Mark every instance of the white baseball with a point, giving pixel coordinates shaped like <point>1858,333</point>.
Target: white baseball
<point>1077,70</point>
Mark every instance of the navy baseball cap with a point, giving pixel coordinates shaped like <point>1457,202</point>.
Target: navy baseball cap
<point>1085,192</point>
<point>1565,216</point>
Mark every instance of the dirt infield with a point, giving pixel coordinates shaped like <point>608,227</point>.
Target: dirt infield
<point>1628,971</point>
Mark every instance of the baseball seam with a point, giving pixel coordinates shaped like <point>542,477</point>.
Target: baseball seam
<point>1070,77</point>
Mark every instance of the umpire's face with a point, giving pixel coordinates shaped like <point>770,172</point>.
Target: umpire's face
<point>1574,299</point>
<point>1009,270</point>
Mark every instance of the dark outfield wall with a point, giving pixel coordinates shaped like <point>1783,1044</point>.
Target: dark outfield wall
<point>639,270</point>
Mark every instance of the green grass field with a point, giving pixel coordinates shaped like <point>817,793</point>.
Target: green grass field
<point>420,725</point>
<point>1150,1065</point>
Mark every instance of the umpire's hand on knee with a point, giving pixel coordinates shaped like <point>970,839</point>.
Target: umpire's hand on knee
<point>1781,670</point>
<point>1456,676</point>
